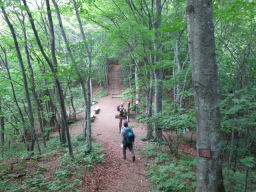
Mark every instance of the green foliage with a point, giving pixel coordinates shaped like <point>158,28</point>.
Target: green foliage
<point>14,151</point>
<point>127,94</point>
<point>170,175</point>
<point>142,118</point>
<point>66,177</point>
<point>178,120</point>
<point>38,182</point>
<point>79,138</point>
<point>169,119</point>
<point>100,94</point>
<point>7,185</point>
<point>124,36</point>
<point>238,115</point>
<point>54,143</point>
<point>151,151</point>
<point>234,180</point>
<point>238,110</point>
<point>103,93</point>
<point>248,162</point>
<point>89,159</point>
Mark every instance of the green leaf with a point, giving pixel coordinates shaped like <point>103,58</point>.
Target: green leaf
<point>248,161</point>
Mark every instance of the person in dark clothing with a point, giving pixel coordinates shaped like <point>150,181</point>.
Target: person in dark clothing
<point>121,109</point>
<point>127,138</point>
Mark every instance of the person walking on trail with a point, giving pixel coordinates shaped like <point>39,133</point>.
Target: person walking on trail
<point>127,137</point>
<point>121,110</point>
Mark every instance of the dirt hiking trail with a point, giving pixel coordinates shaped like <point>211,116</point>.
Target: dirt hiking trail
<point>116,174</point>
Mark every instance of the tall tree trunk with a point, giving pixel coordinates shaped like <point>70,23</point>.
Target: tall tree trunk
<point>32,79</point>
<point>231,147</point>
<point>30,111</point>
<point>150,76</point>
<point>235,155</point>
<point>50,106</point>
<point>177,61</point>
<point>246,179</point>
<point>158,73</point>
<point>16,102</point>
<point>149,105</point>
<point>1,122</point>
<point>207,103</point>
<point>53,67</point>
<point>89,87</point>
<point>72,103</point>
<point>59,88</point>
<point>136,78</point>
<point>70,54</point>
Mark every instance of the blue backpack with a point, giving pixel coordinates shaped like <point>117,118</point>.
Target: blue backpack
<point>129,135</point>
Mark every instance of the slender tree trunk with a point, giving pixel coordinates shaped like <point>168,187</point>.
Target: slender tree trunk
<point>16,102</point>
<point>174,90</point>
<point>72,104</point>
<point>130,76</point>
<point>32,81</point>
<point>136,77</point>
<point>45,26</point>
<point>88,115</point>
<point>89,88</point>
<point>73,60</point>
<point>150,76</point>
<point>53,67</point>
<point>158,73</point>
<point>246,179</point>
<point>86,111</point>
<point>207,103</point>
<point>149,106</point>
<point>30,111</point>
<point>183,89</point>
<point>235,156</point>
<point>70,54</point>
<point>50,106</point>
<point>231,147</point>
<point>1,122</point>
<point>177,61</point>
<point>59,88</point>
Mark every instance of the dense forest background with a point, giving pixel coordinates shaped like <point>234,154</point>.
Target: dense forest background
<point>56,55</point>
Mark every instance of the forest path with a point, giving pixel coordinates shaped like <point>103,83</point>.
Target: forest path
<point>116,174</point>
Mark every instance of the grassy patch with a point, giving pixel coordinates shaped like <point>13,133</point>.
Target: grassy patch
<point>41,176</point>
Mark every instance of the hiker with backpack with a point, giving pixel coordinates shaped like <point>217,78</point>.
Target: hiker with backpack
<point>121,109</point>
<point>128,138</point>
<point>122,115</point>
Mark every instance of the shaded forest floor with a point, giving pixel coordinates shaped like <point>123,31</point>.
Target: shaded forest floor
<point>115,174</point>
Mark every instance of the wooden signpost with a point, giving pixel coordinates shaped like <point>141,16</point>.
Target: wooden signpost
<point>206,153</point>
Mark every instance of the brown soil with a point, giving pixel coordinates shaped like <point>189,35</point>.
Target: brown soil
<point>116,174</point>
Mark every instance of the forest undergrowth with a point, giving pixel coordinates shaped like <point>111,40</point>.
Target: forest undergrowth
<point>52,171</point>
<point>177,172</point>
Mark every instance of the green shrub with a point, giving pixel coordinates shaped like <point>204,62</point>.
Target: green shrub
<point>234,180</point>
<point>170,175</point>
<point>68,175</point>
